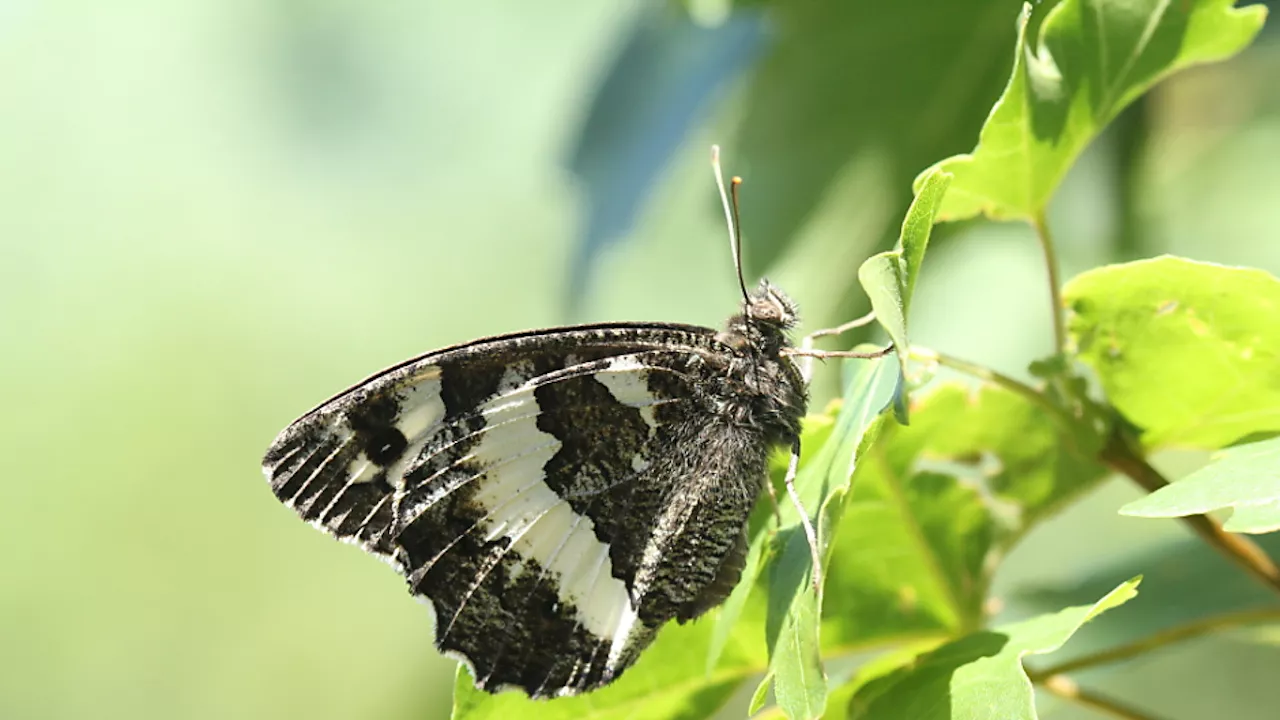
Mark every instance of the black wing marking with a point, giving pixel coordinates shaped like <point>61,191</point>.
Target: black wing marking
<point>501,477</point>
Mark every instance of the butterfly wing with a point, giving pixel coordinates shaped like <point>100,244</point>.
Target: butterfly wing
<point>557,496</point>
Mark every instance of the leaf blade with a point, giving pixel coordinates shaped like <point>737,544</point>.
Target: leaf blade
<point>667,682</point>
<point>1186,350</point>
<point>930,503</point>
<point>889,278</point>
<point>1246,478</point>
<point>794,608</point>
<point>980,675</point>
<point>1065,88</point>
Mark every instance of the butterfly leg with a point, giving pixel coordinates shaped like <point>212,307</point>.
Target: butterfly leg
<point>808,352</point>
<point>790,480</point>
<point>839,329</point>
<point>824,354</point>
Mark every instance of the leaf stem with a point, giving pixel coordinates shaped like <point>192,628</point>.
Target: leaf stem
<point>1040,224</point>
<point>985,373</point>
<point>1067,689</point>
<point>1164,637</point>
<point>1120,455</point>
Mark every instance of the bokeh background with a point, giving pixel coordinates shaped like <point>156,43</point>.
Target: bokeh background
<point>215,214</point>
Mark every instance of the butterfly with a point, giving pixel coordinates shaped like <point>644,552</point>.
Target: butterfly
<point>558,495</point>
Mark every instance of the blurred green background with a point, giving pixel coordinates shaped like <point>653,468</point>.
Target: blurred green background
<point>215,214</point>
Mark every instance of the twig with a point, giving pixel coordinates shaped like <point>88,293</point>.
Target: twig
<point>1066,688</point>
<point>1041,225</point>
<point>985,373</point>
<point>1157,640</point>
<point>1119,455</point>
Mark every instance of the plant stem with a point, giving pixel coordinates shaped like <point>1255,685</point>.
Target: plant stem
<point>995,378</point>
<point>1065,688</point>
<point>1120,455</point>
<point>1157,640</point>
<point>1041,225</point>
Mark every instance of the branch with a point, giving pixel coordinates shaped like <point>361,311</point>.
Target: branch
<point>1157,640</point>
<point>980,372</point>
<point>1067,689</point>
<point>1120,455</point>
<point>1041,225</point>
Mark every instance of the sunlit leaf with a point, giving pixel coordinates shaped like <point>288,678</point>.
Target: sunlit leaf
<point>816,431</point>
<point>840,699</point>
<point>1267,635</point>
<point>761,694</point>
<point>889,278</point>
<point>1182,582</point>
<point>1076,66</point>
<point>979,675</point>
<point>1187,351</point>
<point>800,681</point>
<point>1246,478</point>
<point>932,503</point>
<point>669,681</point>
<point>1255,517</point>
<point>792,620</point>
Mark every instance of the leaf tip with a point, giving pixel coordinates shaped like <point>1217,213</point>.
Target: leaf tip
<point>1138,508</point>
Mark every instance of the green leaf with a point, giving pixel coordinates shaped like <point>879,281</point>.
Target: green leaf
<point>726,619</point>
<point>816,431</point>
<point>1183,581</point>
<point>1187,351</point>
<point>890,87</point>
<point>761,694</point>
<point>981,674</point>
<point>913,240</point>
<point>1075,68</point>
<point>889,278</point>
<point>840,700</point>
<point>1257,518</point>
<point>468,701</point>
<point>667,682</point>
<point>932,503</point>
<point>800,683</point>
<point>1246,478</point>
<point>793,612</point>
<point>1265,635</point>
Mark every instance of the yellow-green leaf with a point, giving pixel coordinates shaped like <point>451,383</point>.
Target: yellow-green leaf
<point>1076,66</point>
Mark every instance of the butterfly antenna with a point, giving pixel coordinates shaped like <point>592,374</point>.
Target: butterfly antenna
<point>731,217</point>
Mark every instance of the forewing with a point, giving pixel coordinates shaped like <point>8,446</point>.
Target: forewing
<point>515,482</point>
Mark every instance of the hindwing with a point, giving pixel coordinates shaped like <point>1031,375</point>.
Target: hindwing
<point>557,496</point>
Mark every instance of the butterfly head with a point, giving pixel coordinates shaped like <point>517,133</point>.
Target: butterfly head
<point>767,304</point>
<point>762,326</point>
<point>771,394</point>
